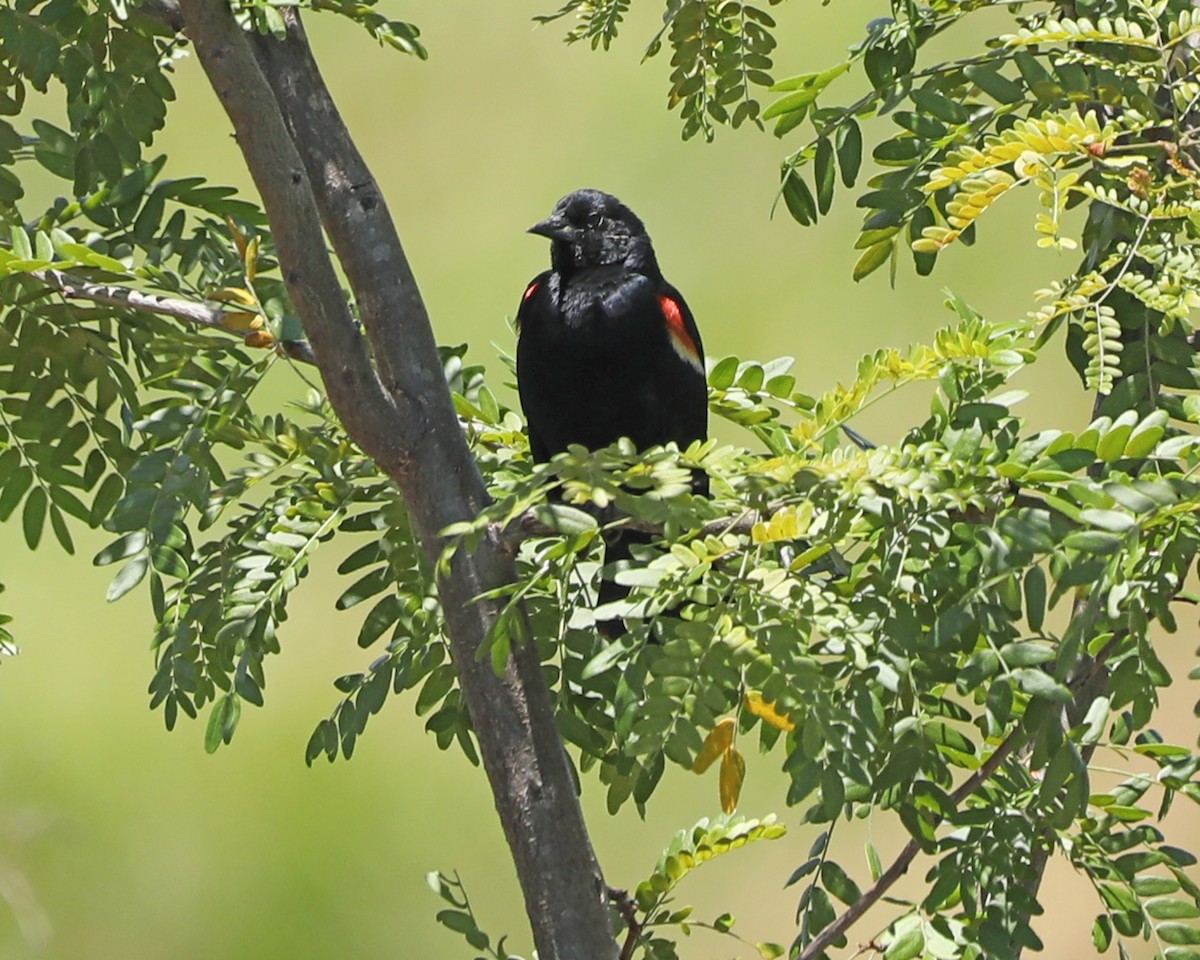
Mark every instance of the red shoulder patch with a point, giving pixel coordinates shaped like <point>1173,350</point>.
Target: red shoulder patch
<point>530,290</point>
<point>681,340</point>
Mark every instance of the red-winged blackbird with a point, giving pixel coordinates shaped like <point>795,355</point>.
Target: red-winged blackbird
<point>607,348</point>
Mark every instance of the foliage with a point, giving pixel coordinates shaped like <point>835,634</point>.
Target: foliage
<point>460,917</point>
<point>689,849</point>
<point>720,53</point>
<point>1095,104</point>
<point>7,646</point>
<point>960,629</point>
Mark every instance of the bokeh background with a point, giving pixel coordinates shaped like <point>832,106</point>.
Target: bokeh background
<point>119,840</point>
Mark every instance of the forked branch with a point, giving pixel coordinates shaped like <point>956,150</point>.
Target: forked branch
<point>823,940</point>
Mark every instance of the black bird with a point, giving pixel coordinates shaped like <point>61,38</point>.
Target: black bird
<point>606,347</point>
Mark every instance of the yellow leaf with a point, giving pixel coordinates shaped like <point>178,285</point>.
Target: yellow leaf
<point>241,321</point>
<point>733,772</point>
<point>760,708</point>
<point>239,238</point>
<point>233,295</point>
<point>719,739</point>
<point>250,259</point>
<point>260,338</point>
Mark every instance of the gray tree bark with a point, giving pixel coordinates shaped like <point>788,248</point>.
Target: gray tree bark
<point>389,390</point>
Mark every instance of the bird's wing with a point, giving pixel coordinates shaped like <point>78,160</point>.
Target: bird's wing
<point>689,405</point>
<point>529,315</point>
<point>681,326</point>
<point>534,285</point>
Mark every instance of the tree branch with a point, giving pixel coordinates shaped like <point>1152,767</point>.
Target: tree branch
<point>75,288</point>
<point>633,927</point>
<point>312,284</point>
<point>360,227</point>
<point>823,940</point>
<point>1087,681</point>
<point>189,311</point>
<point>531,523</point>
<point>403,418</point>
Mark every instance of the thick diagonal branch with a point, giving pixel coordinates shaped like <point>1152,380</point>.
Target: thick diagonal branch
<point>360,227</point>
<point>404,419</point>
<point>312,284</point>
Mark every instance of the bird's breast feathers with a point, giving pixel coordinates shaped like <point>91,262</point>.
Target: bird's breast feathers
<point>605,308</point>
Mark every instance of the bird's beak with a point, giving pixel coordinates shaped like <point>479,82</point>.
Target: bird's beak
<point>554,227</point>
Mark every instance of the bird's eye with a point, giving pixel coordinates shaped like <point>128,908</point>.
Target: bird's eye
<point>595,220</point>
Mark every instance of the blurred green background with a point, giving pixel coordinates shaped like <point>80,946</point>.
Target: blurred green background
<point>118,839</point>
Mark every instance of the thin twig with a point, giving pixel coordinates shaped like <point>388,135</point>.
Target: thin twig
<point>628,911</point>
<point>189,311</point>
<point>528,524</point>
<point>900,865</point>
<point>199,314</point>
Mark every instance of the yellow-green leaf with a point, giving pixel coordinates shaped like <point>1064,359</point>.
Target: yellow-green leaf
<point>719,739</point>
<point>241,321</point>
<point>767,712</point>
<point>733,773</point>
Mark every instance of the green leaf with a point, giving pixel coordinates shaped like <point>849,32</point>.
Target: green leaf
<point>1092,541</point>
<point>1035,597</point>
<point>222,721</point>
<point>457,920</point>
<point>33,517</point>
<point>386,612</point>
<point>723,373</point>
<point>128,577</point>
<point>798,198</point>
<point>825,174</point>
<point>1028,653</point>
<point>1041,685</point>
<point>109,492</point>
<point>873,862</point>
<point>20,242</point>
<point>1167,908</point>
<point>939,105</point>
<point>62,533</point>
<point>565,519</point>
<point>1150,886</point>
<point>991,82</point>
<point>872,259</point>
<point>168,562</point>
<point>608,657</point>
<point>807,87</point>
<point>1178,933</point>
<point>849,151</point>
<point>838,882</point>
<point>119,549</point>
<point>906,946</point>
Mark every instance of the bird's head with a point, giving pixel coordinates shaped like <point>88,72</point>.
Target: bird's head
<point>589,228</point>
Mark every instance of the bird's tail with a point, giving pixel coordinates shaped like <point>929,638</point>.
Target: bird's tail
<point>616,551</point>
<point>617,544</point>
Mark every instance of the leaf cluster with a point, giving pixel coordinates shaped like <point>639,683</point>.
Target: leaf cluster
<point>720,53</point>
<point>891,624</point>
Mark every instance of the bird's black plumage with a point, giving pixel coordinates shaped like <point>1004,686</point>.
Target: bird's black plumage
<point>606,347</point>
